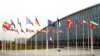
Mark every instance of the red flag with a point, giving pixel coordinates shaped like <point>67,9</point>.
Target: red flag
<point>69,23</point>
<point>6,26</point>
<point>92,25</point>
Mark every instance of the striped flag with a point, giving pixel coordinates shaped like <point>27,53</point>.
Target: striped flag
<point>28,21</point>
<point>93,24</point>
<point>37,22</point>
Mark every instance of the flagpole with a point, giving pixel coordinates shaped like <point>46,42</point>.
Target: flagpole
<point>91,40</point>
<point>88,39</point>
<point>68,40</point>
<point>47,41</point>
<point>76,38</point>
<point>53,39</point>
<point>57,38</point>
<point>69,25</point>
<point>83,37</point>
<point>42,40</point>
<point>35,43</point>
<point>3,42</point>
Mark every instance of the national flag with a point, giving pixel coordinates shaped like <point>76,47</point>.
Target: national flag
<point>15,30</point>
<point>12,23</point>
<point>60,31</point>
<point>29,30</point>
<point>50,38</point>
<point>37,22</point>
<point>6,26</point>
<point>84,22</point>
<point>93,24</point>
<point>19,23</point>
<point>44,31</point>
<point>69,23</point>
<point>78,22</point>
<point>28,21</point>
<point>22,30</point>
<point>50,23</point>
<point>59,24</point>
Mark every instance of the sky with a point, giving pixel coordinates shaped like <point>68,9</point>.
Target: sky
<point>42,9</point>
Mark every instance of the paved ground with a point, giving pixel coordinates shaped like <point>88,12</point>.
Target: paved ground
<point>50,52</point>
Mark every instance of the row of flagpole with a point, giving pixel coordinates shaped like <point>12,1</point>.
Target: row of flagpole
<point>68,35</point>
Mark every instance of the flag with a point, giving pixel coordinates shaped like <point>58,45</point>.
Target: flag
<point>93,24</point>
<point>50,23</point>
<point>18,22</point>
<point>15,30</point>
<point>29,30</point>
<point>69,23</point>
<point>44,31</point>
<point>60,31</point>
<point>37,22</point>
<point>59,24</point>
<point>12,23</point>
<point>22,30</point>
<point>84,22</point>
<point>78,22</point>
<point>50,38</point>
<point>28,21</point>
<point>6,26</point>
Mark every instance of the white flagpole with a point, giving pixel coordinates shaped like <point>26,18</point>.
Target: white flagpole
<point>47,42</point>
<point>53,38</point>
<point>25,47</point>
<point>68,40</point>
<point>88,39</point>
<point>91,40</point>
<point>3,42</point>
<point>35,43</point>
<point>83,37</point>
<point>76,38</point>
<point>41,40</point>
<point>57,37</point>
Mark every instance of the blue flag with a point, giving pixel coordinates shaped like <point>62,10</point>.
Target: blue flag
<point>28,21</point>
<point>12,23</point>
<point>50,23</point>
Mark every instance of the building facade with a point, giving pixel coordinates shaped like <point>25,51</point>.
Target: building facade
<point>76,35</point>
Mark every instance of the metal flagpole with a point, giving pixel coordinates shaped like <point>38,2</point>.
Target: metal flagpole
<point>53,38</point>
<point>57,38</point>
<point>88,39</point>
<point>68,40</point>
<point>47,41</point>
<point>76,38</point>
<point>25,47</point>
<point>3,42</point>
<point>83,36</point>
<point>91,34</point>
<point>42,40</point>
<point>35,43</point>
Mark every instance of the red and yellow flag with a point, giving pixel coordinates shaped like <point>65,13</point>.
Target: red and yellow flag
<point>37,22</point>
